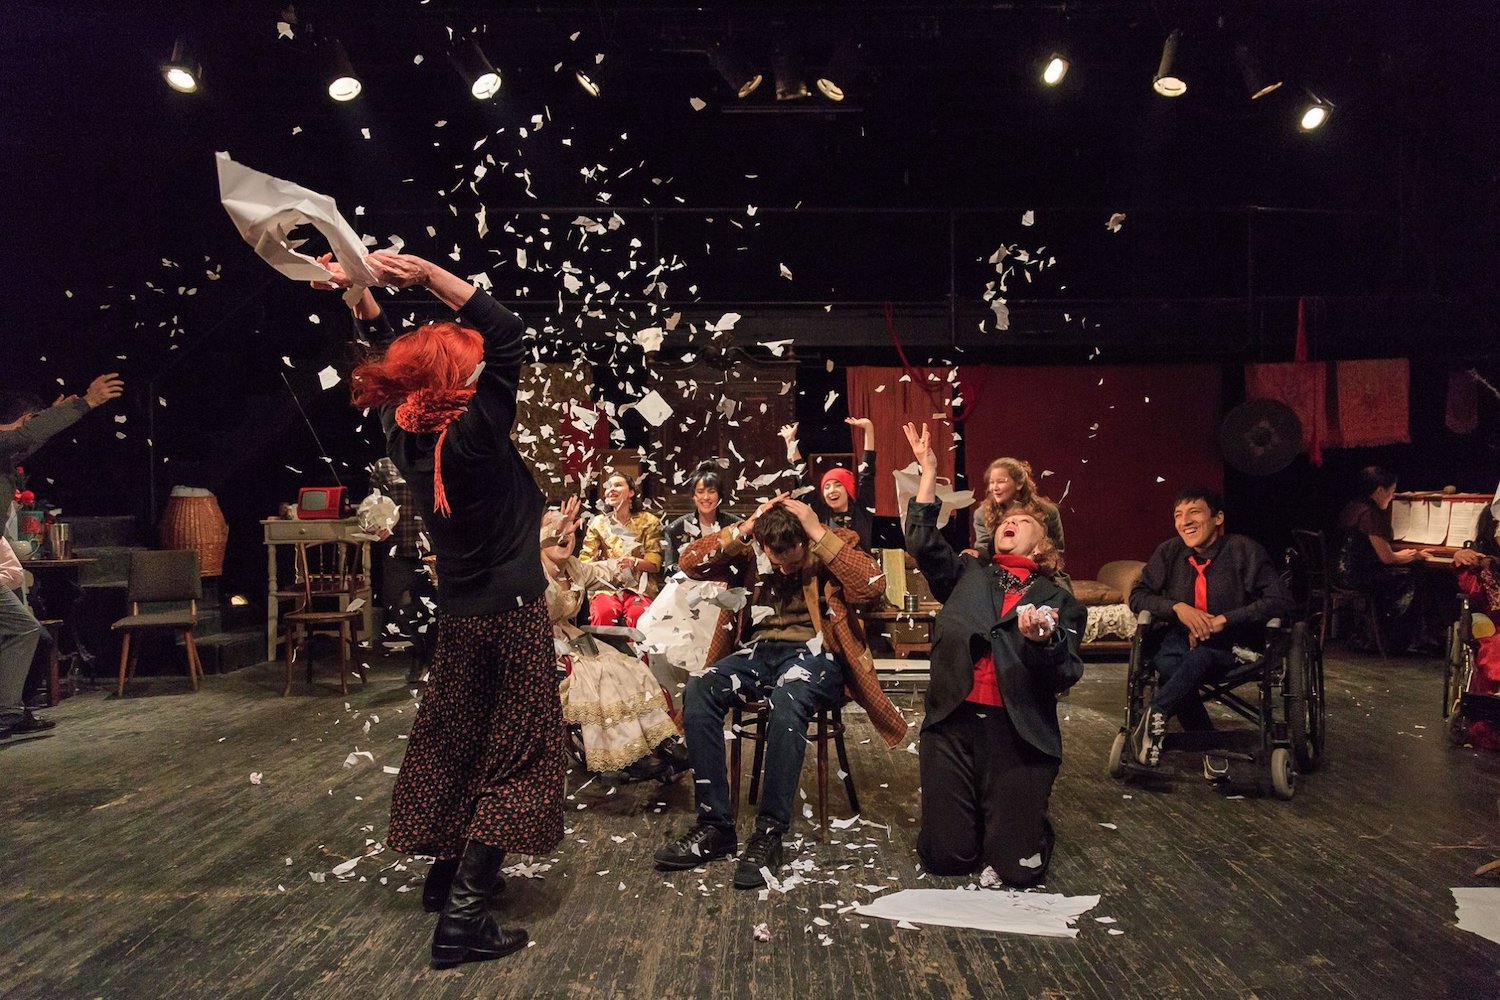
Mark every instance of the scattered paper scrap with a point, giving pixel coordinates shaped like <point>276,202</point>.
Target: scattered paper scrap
<point>1036,913</point>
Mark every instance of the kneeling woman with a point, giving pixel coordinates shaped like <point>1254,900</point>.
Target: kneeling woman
<point>1005,646</point>
<point>614,699</point>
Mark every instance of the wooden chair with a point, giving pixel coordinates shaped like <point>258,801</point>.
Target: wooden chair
<point>1324,596</point>
<point>749,722</point>
<point>54,680</point>
<point>170,577</point>
<point>328,578</point>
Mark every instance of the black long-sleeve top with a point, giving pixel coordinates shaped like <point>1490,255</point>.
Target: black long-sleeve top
<point>860,517</point>
<point>1243,586</point>
<point>683,531</point>
<point>489,549</point>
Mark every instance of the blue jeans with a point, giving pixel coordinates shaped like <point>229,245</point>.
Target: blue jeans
<point>1181,670</point>
<point>766,671</point>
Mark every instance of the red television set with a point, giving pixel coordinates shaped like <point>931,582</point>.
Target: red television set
<point>319,502</point>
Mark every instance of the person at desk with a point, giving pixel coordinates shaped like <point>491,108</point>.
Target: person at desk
<point>1367,561</point>
<point>483,772</point>
<point>19,633</point>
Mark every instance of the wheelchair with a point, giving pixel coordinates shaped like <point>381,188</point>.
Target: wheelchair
<point>628,641</point>
<point>1461,704</point>
<point>1286,707</point>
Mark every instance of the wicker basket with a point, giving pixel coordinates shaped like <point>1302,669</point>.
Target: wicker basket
<point>195,522</point>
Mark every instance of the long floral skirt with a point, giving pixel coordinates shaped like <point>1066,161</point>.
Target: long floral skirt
<point>484,760</point>
<point>619,706</point>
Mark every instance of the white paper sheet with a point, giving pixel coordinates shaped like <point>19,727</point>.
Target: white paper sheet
<point>1463,521</point>
<point>906,488</point>
<point>1400,519</point>
<point>266,209</point>
<point>678,627</point>
<point>1430,526</point>
<point>651,406</point>
<point>1037,913</point>
<point>1479,911</point>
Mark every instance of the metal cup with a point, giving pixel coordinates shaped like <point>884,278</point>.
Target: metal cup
<point>60,537</point>
<point>911,602</point>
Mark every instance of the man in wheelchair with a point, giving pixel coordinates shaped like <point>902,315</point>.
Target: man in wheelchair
<point>1217,591</point>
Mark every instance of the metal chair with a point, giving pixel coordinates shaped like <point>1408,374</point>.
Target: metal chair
<point>328,584</point>
<point>170,577</point>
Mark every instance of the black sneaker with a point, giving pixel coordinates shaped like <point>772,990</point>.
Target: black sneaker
<point>27,723</point>
<point>1215,768</point>
<point>762,850</point>
<point>1148,734</point>
<point>697,847</point>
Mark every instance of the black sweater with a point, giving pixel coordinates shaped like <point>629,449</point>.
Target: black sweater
<point>488,550</point>
<point>1243,586</point>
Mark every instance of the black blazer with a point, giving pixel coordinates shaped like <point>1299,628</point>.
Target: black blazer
<point>682,532</point>
<point>1031,674</point>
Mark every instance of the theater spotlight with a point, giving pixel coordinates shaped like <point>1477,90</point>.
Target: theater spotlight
<point>1057,68</point>
<point>740,76</point>
<point>1257,83</point>
<point>1166,82</point>
<point>182,72</point>
<point>841,69</point>
<point>343,85</point>
<point>1314,113</point>
<point>790,83</point>
<point>470,61</point>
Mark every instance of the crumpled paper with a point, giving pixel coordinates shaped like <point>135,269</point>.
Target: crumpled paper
<point>378,512</point>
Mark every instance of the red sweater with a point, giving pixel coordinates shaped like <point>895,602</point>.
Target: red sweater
<point>986,689</point>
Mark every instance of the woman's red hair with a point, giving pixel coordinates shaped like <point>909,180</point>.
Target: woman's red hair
<point>434,356</point>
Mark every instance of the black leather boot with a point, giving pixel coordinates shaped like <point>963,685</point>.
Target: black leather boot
<point>439,880</point>
<point>465,930</point>
<point>674,752</point>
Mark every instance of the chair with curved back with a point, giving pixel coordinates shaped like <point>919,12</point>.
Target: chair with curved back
<point>328,583</point>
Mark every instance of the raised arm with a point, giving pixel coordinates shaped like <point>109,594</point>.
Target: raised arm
<point>935,557</point>
<point>864,482</point>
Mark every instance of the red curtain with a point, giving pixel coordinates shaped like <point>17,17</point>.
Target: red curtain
<point>1372,402</point>
<point>880,394</point>
<point>1119,442</point>
<point>1302,386</point>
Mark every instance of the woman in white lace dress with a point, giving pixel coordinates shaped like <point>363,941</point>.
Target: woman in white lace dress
<point>613,698</point>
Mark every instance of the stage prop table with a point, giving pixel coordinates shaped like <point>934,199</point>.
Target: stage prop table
<point>58,586</point>
<point>279,531</point>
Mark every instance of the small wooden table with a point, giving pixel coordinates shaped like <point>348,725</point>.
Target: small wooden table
<point>61,606</point>
<point>279,531</point>
<point>907,631</point>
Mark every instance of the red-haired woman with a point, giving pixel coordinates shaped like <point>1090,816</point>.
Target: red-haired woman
<point>483,772</point>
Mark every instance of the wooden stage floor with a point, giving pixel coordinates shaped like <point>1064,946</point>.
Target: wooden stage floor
<point>141,861</point>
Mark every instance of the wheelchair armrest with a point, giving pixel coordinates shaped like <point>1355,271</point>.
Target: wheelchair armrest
<point>1143,619</point>
<point>1274,624</point>
<point>618,631</point>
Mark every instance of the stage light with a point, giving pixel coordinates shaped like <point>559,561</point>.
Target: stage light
<point>182,72</point>
<point>740,76</point>
<point>481,76</point>
<point>790,84</point>
<point>343,85</point>
<point>588,81</point>
<point>1057,68</point>
<point>1257,83</point>
<point>1166,82</point>
<point>1314,113</point>
<point>840,71</point>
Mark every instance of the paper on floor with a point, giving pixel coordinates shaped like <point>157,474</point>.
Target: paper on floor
<point>1037,913</point>
<point>1479,911</point>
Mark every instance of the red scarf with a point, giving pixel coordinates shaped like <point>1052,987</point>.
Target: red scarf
<point>1015,573</point>
<point>430,411</point>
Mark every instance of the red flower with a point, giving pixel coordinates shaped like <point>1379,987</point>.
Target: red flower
<point>25,497</point>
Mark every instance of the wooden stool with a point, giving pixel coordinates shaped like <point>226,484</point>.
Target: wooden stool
<point>748,722</point>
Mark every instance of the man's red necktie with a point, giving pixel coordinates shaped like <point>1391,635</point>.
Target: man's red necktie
<point>1200,585</point>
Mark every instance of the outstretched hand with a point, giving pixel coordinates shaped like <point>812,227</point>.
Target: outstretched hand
<point>103,389</point>
<point>569,511</point>
<point>339,280</point>
<point>788,433</point>
<point>921,446</point>
<point>398,270</point>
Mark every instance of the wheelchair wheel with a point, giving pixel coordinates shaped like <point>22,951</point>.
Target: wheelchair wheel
<point>1456,676</point>
<point>1458,729</point>
<point>1283,773</point>
<point>1116,767</point>
<point>1303,694</point>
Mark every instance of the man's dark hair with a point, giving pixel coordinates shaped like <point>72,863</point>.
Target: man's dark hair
<point>1373,477</point>
<point>15,405</point>
<point>778,530</point>
<point>1196,492</point>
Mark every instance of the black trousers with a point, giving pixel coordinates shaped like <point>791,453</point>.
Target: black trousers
<point>984,798</point>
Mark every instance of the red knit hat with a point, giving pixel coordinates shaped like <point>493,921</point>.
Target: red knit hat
<point>842,475</point>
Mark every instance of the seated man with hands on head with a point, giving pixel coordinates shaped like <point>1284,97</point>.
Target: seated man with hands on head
<point>1220,590</point>
<point>801,647</point>
<point>1005,646</point>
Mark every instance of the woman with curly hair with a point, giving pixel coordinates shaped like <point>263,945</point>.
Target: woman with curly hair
<point>1008,486</point>
<point>483,772</point>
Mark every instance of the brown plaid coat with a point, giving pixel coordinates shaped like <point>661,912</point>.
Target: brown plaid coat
<point>837,578</point>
